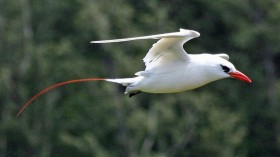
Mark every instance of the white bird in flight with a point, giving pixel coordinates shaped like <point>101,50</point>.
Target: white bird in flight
<point>169,68</point>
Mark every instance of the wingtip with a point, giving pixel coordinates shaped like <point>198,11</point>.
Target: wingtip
<point>192,32</point>
<point>183,30</point>
<point>99,41</point>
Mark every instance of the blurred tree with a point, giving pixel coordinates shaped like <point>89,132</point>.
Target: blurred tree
<point>44,42</point>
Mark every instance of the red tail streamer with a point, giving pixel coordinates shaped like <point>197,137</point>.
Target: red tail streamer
<point>55,86</point>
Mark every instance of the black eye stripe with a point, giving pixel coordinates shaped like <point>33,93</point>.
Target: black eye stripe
<point>225,68</point>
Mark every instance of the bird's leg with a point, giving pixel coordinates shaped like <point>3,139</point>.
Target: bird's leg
<point>134,93</point>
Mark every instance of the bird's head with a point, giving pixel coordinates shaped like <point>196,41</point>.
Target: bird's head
<point>225,69</point>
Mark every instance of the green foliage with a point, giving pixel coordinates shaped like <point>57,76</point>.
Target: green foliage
<point>45,42</point>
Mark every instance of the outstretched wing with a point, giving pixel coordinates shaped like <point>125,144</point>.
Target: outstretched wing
<point>168,50</point>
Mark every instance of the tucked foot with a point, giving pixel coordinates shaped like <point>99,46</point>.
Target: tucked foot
<point>134,93</point>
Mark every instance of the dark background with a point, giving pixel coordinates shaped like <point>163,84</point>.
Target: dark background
<point>47,41</point>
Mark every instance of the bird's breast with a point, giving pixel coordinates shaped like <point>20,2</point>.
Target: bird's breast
<point>171,81</point>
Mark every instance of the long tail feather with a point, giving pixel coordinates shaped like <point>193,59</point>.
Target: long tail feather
<point>55,86</point>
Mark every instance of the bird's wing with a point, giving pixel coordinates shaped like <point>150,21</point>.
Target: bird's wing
<point>169,49</point>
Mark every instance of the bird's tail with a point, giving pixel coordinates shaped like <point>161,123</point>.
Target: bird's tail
<point>125,82</point>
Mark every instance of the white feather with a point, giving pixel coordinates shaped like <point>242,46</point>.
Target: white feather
<point>170,69</point>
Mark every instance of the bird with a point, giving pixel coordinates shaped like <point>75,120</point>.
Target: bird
<point>169,68</point>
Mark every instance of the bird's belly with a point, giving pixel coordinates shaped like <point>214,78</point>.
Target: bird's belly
<point>169,83</point>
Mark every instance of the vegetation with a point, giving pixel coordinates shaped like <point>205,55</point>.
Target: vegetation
<point>47,41</point>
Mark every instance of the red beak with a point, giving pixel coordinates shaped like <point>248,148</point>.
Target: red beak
<point>239,75</point>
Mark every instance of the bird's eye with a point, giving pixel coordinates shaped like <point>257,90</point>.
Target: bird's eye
<point>225,68</point>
